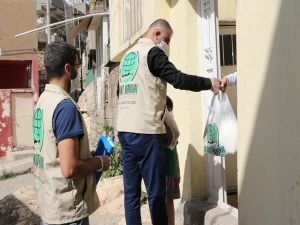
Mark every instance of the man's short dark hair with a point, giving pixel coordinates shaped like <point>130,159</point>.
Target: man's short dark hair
<point>57,55</point>
<point>161,23</point>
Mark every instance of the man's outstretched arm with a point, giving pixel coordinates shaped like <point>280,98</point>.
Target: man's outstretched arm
<point>160,66</point>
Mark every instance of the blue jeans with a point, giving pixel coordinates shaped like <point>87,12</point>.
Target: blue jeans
<point>84,221</point>
<point>143,157</point>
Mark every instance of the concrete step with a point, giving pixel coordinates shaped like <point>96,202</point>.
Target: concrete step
<point>17,166</point>
<point>18,155</point>
<point>205,213</point>
<point>221,216</point>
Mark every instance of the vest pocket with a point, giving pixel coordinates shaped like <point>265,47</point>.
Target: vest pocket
<point>79,189</point>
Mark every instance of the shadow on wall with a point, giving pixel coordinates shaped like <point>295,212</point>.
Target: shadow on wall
<point>231,171</point>
<point>194,166</point>
<point>269,188</point>
<point>172,3</point>
<point>193,172</point>
<point>15,212</point>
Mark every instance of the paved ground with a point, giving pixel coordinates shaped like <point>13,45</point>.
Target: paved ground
<point>11,185</point>
<point>17,201</point>
<point>16,162</point>
<point>18,205</point>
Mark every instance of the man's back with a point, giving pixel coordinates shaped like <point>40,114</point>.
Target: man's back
<point>141,94</point>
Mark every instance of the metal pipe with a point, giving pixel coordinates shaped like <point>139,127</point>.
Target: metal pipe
<point>48,22</point>
<point>61,22</point>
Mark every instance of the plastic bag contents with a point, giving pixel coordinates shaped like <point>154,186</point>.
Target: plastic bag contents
<point>221,127</point>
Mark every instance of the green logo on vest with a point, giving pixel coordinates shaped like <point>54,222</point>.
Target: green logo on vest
<point>38,129</point>
<point>129,67</point>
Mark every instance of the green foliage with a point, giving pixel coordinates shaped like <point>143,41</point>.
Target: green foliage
<point>104,129</point>
<point>144,198</point>
<point>116,163</point>
<point>107,128</point>
<point>116,168</point>
<point>6,175</point>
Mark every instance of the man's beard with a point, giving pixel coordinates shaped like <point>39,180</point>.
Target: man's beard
<point>74,73</point>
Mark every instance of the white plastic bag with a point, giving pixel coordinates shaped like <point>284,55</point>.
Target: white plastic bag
<point>221,127</point>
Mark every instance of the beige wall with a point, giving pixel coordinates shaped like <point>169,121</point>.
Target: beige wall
<point>227,10</point>
<point>18,16</point>
<point>151,10</point>
<point>268,109</point>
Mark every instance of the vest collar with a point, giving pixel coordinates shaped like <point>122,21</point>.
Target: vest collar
<point>56,89</point>
<point>146,40</point>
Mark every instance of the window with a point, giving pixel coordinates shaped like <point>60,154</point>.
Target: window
<point>132,18</point>
<point>28,75</point>
<point>228,49</point>
<point>106,5</point>
<point>42,80</point>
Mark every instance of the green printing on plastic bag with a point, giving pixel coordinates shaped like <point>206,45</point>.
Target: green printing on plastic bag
<point>213,146</point>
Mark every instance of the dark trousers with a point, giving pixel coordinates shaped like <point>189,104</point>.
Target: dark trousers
<point>143,157</point>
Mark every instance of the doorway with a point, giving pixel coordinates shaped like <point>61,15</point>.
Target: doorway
<point>218,50</point>
<point>22,111</point>
<point>227,42</point>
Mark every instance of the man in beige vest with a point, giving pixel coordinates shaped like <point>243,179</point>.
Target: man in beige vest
<point>145,71</point>
<point>64,167</point>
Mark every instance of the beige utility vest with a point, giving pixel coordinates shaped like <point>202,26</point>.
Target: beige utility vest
<point>142,96</point>
<point>60,200</point>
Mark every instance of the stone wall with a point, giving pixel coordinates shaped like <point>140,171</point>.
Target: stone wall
<point>111,106</point>
<point>87,106</point>
<point>96,115</point>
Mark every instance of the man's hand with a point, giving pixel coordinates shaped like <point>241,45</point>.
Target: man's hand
<point>71,166</point>
<point>215,85</point>
<point>224,83</point>
<point>106,162</point>
<point>93,153</point>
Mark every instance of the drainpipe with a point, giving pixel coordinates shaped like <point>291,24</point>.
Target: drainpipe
<point>48,22</point>
<point>68,11</point>
<point>79,44</point>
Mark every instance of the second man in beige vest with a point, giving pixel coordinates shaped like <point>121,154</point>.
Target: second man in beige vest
<point>64,167</point>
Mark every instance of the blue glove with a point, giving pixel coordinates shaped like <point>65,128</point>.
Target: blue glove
<point>105,146</point>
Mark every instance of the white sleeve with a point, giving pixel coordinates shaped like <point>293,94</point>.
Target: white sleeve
<point>232,79</point>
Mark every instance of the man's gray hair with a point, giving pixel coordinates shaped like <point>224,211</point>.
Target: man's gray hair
<point>160,23</point>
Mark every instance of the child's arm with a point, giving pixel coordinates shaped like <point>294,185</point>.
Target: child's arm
<point>172,129</point>
<point>229,80</point>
